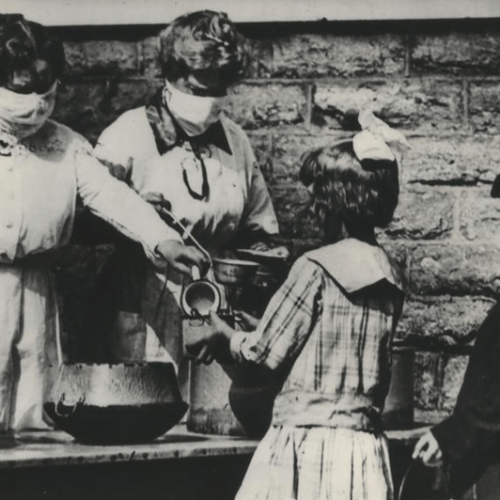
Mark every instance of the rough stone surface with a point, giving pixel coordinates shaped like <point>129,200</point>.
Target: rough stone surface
<point>429,416</point>
<point>79,106</point>
<point>485,106</point>
<point>454,369</point>
<point>428,380</point>
<point>127,94</point>
<point>443,321</point>
<point>457,53</point>
<point>458,269</point>
<point>422,213</point>
<point>98,57</point>
<point>292,208</point>
<point>313,55</point>
<point>261,58</point>
<point>423,106</point>
<point>149,52</point>
<point>89,107</point>
<point>398,252</point>
<point>287,152</point>
<point>262,145</point>
<point>263,106</point>
<point>452,160</point>
<point>480,215</point>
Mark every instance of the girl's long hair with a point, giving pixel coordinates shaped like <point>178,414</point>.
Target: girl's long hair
<point>349,194</point>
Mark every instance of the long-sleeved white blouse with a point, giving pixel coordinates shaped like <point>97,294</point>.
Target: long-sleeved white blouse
<point>40,179</point>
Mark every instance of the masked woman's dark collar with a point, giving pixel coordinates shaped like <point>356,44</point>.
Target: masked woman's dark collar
<point>169,134</point>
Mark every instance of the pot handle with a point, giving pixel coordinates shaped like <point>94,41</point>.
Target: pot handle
<point>67,412</point>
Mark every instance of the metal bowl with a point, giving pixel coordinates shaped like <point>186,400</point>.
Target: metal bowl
<point>116,403</point>
<point>234,271</point>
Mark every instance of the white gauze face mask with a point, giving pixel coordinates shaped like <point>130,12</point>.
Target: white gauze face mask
<point>21,115</point>
<point>193,113</point>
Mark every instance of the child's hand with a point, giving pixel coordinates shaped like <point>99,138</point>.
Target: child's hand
<point>247,322</point>
<point>427,449</point>
<point>214,343</point>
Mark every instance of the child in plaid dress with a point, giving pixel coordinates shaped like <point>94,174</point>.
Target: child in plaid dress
<point>327,334</point>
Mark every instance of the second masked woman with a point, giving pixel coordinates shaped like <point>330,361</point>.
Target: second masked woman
<point>182,154</point>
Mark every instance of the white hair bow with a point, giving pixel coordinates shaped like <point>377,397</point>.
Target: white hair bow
<point>378,141</point>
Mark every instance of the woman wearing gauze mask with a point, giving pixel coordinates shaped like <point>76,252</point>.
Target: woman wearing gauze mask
<point>193,113</point>
<point>23,114</point>
<point>44,167</point>
<point>182,153</point>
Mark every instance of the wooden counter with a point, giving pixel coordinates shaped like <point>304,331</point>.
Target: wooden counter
<point>50,448</point>
<point>178,466</point>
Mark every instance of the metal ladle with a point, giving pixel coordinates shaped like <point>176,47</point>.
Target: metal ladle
<point>184,232</point>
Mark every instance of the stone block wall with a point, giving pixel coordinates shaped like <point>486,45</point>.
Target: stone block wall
<point>439,82</point>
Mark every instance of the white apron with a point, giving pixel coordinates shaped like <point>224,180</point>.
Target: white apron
<point>28,345</point>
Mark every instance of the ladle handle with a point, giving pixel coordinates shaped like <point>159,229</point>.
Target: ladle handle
<point>186,233</point>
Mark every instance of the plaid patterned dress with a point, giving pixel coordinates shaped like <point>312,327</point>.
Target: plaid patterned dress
<point>328,333</point>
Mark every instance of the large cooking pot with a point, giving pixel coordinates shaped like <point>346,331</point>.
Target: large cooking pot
<point>116,403</point>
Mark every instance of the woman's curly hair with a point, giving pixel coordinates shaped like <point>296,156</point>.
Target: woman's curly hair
<point>360,195</point>
<point>29,56</point>
<point>203,43</point>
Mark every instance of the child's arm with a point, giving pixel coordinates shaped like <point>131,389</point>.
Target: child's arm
<point>287,321</point>
<point>283,330</point>
<point>246,321</point>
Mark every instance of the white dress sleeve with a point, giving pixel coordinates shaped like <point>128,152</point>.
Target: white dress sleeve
<point>112,200</point>
<point>123,142</point>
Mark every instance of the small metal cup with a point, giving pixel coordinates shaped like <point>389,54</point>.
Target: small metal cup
<point>200,297</point>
